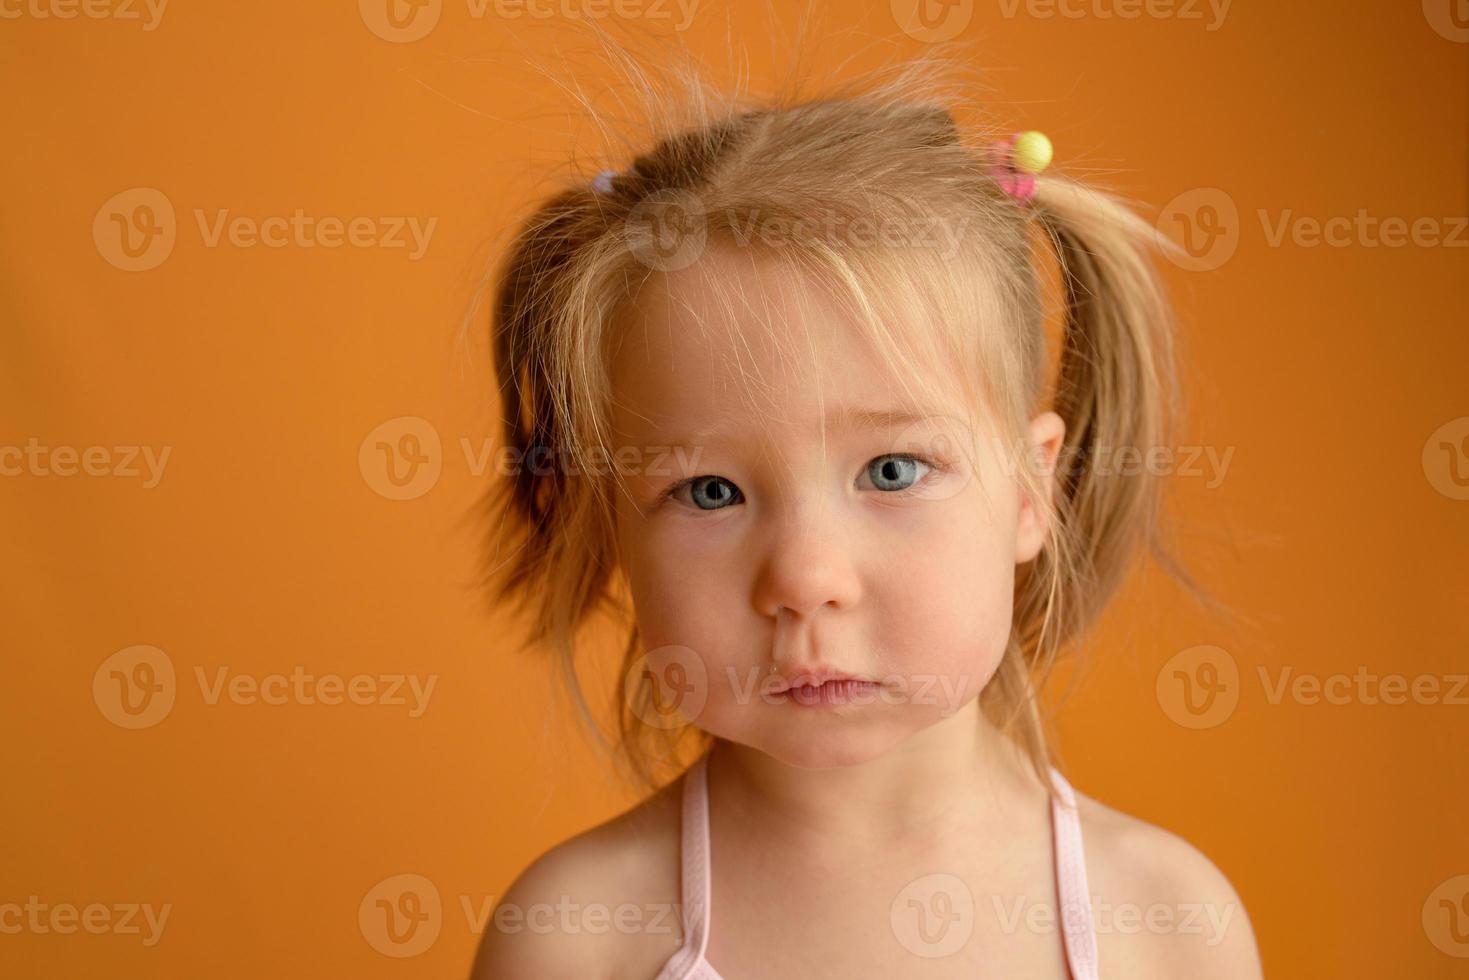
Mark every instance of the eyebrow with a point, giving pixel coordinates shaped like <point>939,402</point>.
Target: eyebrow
<point>841,418</point>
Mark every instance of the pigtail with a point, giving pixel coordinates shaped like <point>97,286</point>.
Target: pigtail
<point>537,563</point>
<point>1117,390</point>
<point>1116,384</point>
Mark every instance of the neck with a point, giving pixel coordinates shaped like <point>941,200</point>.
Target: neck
<point>959,775</point>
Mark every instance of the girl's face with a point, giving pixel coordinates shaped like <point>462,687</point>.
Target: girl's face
<point>829,527</point>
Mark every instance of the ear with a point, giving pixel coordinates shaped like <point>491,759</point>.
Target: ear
<point>1043,435</point>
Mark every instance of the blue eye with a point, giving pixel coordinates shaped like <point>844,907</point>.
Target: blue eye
<point>709,492</point>
<point>895,472</point>
<point>892,473</point>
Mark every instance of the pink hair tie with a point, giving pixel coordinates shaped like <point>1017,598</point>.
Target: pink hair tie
<point>602,183</point>
<point>1020,157</point>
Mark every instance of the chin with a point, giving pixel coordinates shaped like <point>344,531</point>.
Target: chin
<point>834,748</point>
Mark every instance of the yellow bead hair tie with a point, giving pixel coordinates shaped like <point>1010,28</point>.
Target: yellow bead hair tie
<point>1021,156</point>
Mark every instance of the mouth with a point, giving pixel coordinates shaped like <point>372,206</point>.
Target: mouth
<point>830,691</point>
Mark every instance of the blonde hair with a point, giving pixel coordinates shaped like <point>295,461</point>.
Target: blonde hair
<point>884,150</point>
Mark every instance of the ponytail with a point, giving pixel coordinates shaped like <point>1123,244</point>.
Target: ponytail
<point>1118,393</point>
<point>1116,387</point>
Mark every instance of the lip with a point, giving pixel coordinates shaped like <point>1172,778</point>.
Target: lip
<point>813,677</point>
<point>824,687</point>
<point>834,691</point>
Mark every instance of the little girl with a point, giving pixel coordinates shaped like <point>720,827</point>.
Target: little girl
<point>777,391</point>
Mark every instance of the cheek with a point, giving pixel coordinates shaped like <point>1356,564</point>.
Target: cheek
<point>953,602</point>
<point>674,606</point>
<point>700,623</point>
<point>683,594</point>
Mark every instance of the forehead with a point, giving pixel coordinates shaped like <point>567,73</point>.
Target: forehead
<point>741,333</point>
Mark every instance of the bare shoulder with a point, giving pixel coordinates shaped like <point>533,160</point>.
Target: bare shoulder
<point>600,905</point>
<point>1161,908</point>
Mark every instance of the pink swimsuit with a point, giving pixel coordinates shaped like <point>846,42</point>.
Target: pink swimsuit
<point>688,962</point>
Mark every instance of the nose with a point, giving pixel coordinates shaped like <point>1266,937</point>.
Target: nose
<point>809,563</point>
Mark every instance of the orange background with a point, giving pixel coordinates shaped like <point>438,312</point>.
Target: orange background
<point>267,546</point>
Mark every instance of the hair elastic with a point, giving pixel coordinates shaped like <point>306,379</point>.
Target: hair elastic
<point>602,183</point>
<point>1021,155</point>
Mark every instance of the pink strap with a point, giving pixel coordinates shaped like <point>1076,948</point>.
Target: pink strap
<point>694,853</point>
<point>1079,937</point>
<point>1071,886</point>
